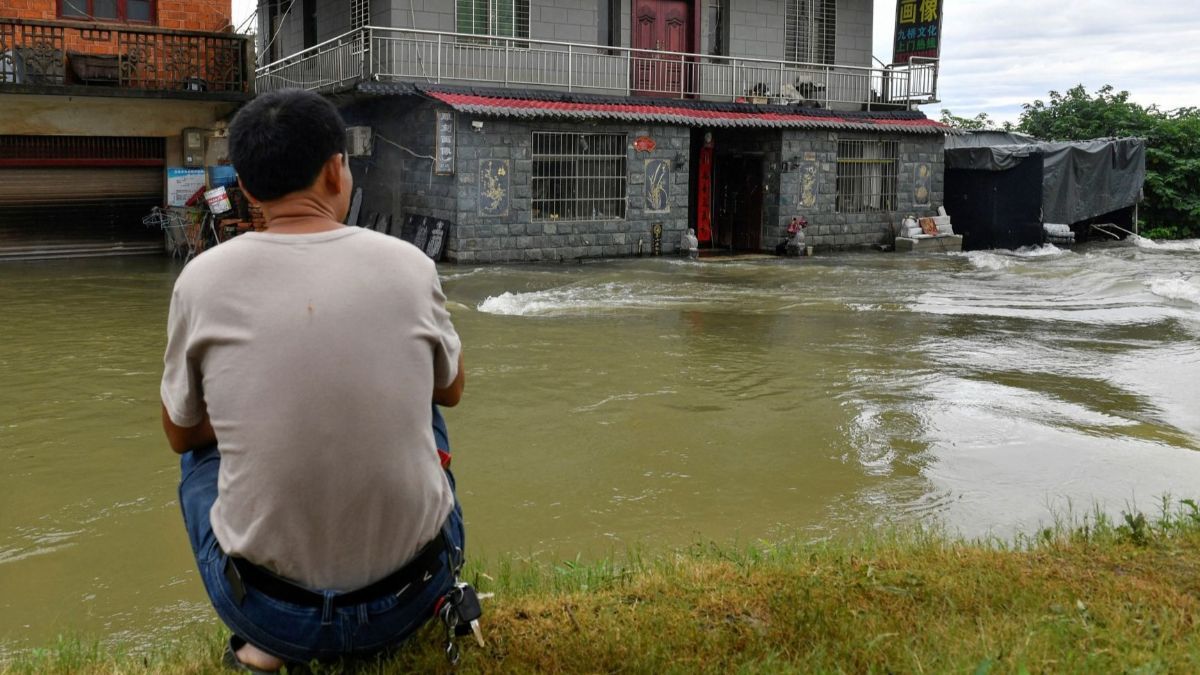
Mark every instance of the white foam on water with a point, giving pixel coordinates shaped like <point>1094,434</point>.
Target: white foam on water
<point>1176,289</point>
<point>1043,251</point>
<point>1176,245</point>
<point>580,299</point>
<point>987,260</point>
<point>863,307</point>
<point>461,275</point>
<point>1001,258</point>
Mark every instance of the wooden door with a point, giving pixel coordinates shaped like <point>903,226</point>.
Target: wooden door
<point>737,223</point>
<point>661,26</point>
<point>747,227</point>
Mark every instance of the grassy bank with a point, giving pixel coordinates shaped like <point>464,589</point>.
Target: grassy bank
<point>1098,596</point>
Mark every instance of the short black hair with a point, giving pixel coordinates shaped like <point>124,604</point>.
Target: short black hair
<point>280,140</point>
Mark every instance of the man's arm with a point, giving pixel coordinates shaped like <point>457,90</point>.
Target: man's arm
<point>450,396</point>
<point>183,439</point>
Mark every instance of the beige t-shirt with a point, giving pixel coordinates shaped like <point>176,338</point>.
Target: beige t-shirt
<point>317,356</point>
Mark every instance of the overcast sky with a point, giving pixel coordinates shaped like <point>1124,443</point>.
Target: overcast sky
<point>998,54</point>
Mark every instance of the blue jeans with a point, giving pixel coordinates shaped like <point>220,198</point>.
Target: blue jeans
<point>300,633</point>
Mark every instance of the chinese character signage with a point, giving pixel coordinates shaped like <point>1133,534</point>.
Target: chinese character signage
<point>182,183</point>
<point>918,29</point>
<point>444,148</point>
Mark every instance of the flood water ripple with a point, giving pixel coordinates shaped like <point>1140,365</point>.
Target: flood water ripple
<point>645,402</point>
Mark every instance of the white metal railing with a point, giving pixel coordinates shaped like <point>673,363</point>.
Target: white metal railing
<point>436,57</point>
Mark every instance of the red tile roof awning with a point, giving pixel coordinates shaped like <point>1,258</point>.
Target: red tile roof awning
<point>687,113</point>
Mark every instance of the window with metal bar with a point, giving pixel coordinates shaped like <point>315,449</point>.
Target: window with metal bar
<point>132,11</point>
<point>578,176</point>
<point>866,175</point>
<point>360,13</point>
<point>501,18</point>
<point>810,27</point>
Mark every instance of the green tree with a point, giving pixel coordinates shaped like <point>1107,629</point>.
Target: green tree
<point>1172,204</point>
<point>980,122</point>
<point>1077,116</point>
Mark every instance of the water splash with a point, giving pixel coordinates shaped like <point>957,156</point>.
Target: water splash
<point>614,296</point>
<point>1176,289</point>
<point>1001,259</point>
<point>575,299</point>
<point>1177,245</point>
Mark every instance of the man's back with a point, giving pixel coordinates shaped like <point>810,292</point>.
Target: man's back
<point>319,353</point>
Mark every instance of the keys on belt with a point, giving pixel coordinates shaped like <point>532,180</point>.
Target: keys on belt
<point>460,610</point>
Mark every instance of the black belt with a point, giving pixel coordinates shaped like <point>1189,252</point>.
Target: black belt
<point>418,572</point>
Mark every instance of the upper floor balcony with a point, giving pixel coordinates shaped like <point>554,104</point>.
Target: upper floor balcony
<point>78,58</point>
<point>409,55</point>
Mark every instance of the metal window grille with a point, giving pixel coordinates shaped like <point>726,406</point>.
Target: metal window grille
<point>501,18</point>
<point>810,29</point>
<point>866,175</point>
<point>578,176</point>
<point>360,13</point>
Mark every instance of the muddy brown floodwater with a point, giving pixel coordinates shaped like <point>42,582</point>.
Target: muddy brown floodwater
<point>642,402</point>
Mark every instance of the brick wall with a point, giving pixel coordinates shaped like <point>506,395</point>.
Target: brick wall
<point>829,229</point>
<point>517,236</point>
<point>393,180</point>
<point>400,182</point>
<point>200,15</point>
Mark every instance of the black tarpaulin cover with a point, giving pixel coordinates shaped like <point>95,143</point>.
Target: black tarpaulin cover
<point>1080,179</point>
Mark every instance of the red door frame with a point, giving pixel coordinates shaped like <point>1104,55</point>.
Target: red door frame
<point>693,47</point>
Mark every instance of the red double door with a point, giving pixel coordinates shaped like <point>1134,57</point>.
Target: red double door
<point>662,26</point>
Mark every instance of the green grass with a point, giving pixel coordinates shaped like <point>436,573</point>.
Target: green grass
<point>1086,595</point>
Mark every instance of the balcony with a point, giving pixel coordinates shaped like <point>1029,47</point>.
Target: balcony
<point>394,54</point>
<point>63,57</point>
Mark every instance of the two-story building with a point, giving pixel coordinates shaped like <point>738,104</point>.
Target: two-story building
<point>563,129</point>
<point>98,100</point>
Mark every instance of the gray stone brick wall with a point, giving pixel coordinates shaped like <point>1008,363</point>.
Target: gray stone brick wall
<point>829,229</point>
<point>756,29</point>
<point>397,182</point>
<point>393,180</point>
<point>516,236</point>
<point>852,44</point>
<point>419,14</point>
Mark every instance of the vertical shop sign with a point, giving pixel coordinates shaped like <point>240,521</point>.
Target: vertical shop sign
<point>444,151</point>
<point>918,30</point>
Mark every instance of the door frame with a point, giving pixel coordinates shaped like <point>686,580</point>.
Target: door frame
<point>693,41</point>
<point>723,169</point>
<point>694,34</point>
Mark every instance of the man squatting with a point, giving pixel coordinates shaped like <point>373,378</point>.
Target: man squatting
<point>300,367</point>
